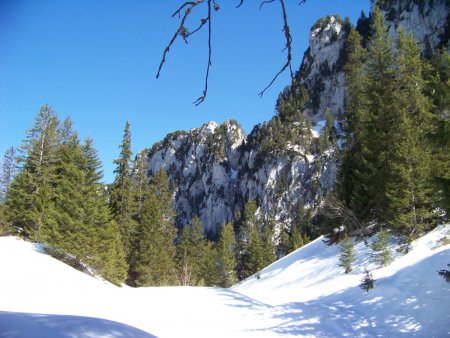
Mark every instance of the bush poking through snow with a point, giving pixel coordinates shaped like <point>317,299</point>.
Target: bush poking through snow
<point>445,274</point>
<point>367,282</point>
<point>381,255</point>
<point>347,256</point>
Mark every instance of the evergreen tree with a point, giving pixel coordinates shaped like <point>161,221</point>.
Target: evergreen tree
<point>28,201</point>
<point>409,195</point>
<point>8,171</point>
<point>381,255</point>
<point>246,226</point>
<point>349,188</point>
<point>226,262</point>
<point>445,274</point>
<point>346,258</point>
<point>106,249</point>
<point>367,282</point>
<point>154,262</point>
<point>122,193</point>
<point>268,247</point>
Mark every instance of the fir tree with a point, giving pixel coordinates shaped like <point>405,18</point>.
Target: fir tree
<point>8,171</point>
<point>28,201</point>
<point>367,282</point>
<point>445,274</point>
<point>409,195</point>
<point>346,257</point>
<point>381,255</point>
<point>154,262</point>
<point>122,193</point>
<point>226,262</point>
<point>246,226</point>
<point>192,254</point>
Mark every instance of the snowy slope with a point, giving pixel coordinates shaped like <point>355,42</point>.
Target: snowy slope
<point>303,294</point>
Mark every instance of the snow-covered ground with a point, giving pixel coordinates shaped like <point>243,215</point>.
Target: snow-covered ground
<point>303,294</point>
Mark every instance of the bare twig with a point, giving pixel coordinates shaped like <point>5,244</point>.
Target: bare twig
<point>287,34</point>
<point>205,91</point>
<point>180,31</point>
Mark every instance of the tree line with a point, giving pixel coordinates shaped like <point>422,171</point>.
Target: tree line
<point>52,193</point>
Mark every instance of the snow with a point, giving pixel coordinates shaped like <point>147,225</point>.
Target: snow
<point>317,127</point>
<point>303,294</point>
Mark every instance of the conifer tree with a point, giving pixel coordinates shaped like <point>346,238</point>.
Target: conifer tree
<point>381,255</point>
<point>122,193</point>
<point>346,257</point>
<point>409,195</point>
<point>154,262</point>
<point>8,171</point>
<point>226,262</point>
<point>247,224</point>
<point>268,247</point>
<point>349,188</point>
<point>28,202</point>
<point>192,254</point>
<point>106,253</point>
<point>367,282</point>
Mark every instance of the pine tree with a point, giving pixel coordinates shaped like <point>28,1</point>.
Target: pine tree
<point>349,187</point>
<point>106,252</point>
<point>381,255</point>
<point>367,282</point>
<point>346,258</point>
<point>226,262</point>
<point>268,247</point>
<point>154,262</point>
<point>28,202</point>
<point>122,193</point>
<point>409,195</point>
<point>191,254</point>
<point>8,171</point>
<point>445,274</point>
<point>246,226</point>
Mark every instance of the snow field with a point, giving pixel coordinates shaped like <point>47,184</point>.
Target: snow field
<point>304,294</point>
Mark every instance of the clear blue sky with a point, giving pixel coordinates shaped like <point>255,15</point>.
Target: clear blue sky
<point>96,61</point>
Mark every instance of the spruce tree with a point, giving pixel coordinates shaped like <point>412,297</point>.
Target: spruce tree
<point>409,194</point>
<point>154,262</point>
<point>28,201</point>
<point>8,171</point>
<point>381,255</point>
<point>346,257</point>
<point>246,226</point>
<point>122,193</point>
<point>106,249</point>
<point>349,181</point>
<point>226,262</point>
<point>367,282</point>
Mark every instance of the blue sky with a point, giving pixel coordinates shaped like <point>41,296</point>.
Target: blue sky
<point>96,61</point>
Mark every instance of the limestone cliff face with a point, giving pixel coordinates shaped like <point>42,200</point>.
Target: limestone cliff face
<point>216,169</point>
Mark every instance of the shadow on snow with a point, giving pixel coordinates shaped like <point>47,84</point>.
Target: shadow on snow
<point>25,325</point>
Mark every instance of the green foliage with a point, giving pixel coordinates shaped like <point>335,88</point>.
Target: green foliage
<point>154,260</point>
<point>226,262</point>
<point>367,282</point>
<point>57,198</point>
<point>445,274</point>
<point>347,256</point>
<point>386,168</point>
<point>121,193</point>
<point>381,255</point>
<point>194,256</point>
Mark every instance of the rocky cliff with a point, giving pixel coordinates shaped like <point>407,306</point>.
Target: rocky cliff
<point>291,159</point>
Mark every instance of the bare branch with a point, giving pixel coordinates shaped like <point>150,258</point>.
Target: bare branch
<point>265,2</point>
<point>180,31</point>
<point>287,34</point>
<point>205,91</point>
